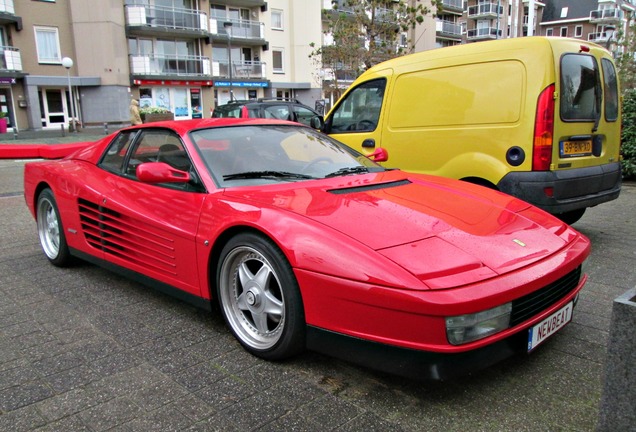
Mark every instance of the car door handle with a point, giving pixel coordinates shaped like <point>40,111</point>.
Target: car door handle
<point>368,143</point>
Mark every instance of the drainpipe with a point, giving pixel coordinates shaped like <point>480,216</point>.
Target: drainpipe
<point>531,18</point>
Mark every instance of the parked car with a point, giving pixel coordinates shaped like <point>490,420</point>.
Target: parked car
<point>306,243</point>
<point>275,108</point>
<point>537,118</point>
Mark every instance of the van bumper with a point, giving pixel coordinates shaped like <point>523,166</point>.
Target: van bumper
<point>572,189</point>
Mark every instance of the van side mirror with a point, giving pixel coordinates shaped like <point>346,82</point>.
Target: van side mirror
<point>379,155</point>
<point>317,122</point>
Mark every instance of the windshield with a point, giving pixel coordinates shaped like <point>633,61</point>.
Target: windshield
<point>265,154</point>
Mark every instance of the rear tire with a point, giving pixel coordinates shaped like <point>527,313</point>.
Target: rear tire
<point>260,298</point>
<point>571,216</point>
<point>51,231</point>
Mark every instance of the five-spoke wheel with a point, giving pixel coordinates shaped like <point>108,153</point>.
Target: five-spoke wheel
<point>259,297</point>
<point>50,230</point>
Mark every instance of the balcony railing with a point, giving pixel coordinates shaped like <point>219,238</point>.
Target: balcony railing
<point>602,36</point>
<point>11,59</point>
<point>165,17</point>
<point>185,65</point>
<point>484,33</point>
<point>453,5</point>
<point>448,28</point>
<point>485,9</point>
<point>6,6</point>
<point>240,29</point>
<point>606,15</point>
<point>240,69</point>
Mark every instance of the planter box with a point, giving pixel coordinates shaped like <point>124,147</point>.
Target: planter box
<point>151,118</point>
<point>618,403</point>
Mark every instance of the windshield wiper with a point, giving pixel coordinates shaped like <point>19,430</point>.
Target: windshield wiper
<point>348,170</point>
<point>266,174</point>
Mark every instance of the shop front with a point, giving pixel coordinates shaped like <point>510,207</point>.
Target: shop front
<point>182,98</point>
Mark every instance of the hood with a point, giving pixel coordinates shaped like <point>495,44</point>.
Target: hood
<point>429,225</point>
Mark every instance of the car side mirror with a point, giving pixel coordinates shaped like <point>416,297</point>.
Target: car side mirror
<point>160,172</point>
<point>379,155</point>
<point>317,122</point>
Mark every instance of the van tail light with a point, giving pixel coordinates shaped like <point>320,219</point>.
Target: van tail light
<point>543,131</point>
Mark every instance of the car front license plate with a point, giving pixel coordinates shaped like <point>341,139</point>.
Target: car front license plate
<point>549,326</point>
<point>576,148</point>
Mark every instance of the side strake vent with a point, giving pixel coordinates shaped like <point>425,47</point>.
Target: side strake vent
<point>369,187</point>
<point>126,238</point>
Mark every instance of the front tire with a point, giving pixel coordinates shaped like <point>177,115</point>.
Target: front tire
<point>259,297</point>
<point>51,231</point>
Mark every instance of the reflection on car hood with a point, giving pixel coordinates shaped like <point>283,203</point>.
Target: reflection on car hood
<point>429,225</point>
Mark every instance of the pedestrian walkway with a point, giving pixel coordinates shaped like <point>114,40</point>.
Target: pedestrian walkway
<point>55,136</point>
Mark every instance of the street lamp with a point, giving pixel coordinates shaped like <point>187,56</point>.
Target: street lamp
<point>67,62</point>
<point>228,29</point>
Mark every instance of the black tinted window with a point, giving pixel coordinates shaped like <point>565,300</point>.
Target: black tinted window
<point>580,87</point>
<point>113,159</point>
<point>611,90</point>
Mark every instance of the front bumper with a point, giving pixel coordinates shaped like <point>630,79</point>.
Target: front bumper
<point>573,189</point>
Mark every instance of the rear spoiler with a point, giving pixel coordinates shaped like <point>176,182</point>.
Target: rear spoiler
<point>40,151</point>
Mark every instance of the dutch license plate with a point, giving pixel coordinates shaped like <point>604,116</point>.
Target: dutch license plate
<point>576,148</point>
<point>549,326</point>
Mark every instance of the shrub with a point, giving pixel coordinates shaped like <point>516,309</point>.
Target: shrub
<point>628,135</point>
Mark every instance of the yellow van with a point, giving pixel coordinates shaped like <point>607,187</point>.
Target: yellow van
<point>535,117</point>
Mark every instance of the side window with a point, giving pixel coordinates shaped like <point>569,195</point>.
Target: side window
<point>113,159</point>
<point>157,145</point>
<point>303,115</point>
<point>280,112</point>
<point>611,90</point>
<point>360,110</point>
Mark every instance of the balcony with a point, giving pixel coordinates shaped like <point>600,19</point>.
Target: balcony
<point>456,6</point>
<point>169,65</point>
<point>240,70</point>
<point>8,16</point>
<point>485,10</point>
<point>244,32</point>
<point>602,37</point>
<point>448,29</point>
<point>483,33</point>
<point>11,60</point>
<point>160,21</point>
<point>606,16</point>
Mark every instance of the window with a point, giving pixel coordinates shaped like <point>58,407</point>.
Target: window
<point>578,31</point>
<point>277,19</point>
<point>360,111</point>
<point>47,43</point>
<point>114,158</point>
<point>549,32</point>
<point>277,61</point>
<point>564,32</point>
<point>611,90</point>
<point>580,88</point>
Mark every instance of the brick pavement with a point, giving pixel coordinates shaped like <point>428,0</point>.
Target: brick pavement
<point>83,349</point>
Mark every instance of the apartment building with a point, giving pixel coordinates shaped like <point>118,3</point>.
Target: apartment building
<point>183,55</point>
<point>599,21</point>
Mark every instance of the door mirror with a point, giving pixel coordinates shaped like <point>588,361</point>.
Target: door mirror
<point>317,122</point>
<point>160,172</point>
<point>379,155</point>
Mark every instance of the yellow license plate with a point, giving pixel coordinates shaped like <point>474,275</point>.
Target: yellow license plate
<point>576,148</point>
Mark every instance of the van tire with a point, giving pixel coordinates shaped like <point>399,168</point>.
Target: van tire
<point>572,216</point>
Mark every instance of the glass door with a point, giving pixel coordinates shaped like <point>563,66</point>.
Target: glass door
<point>54,107</point>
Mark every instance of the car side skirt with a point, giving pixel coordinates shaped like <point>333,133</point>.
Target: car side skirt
<point>164,288</point>
<point>419,365</point>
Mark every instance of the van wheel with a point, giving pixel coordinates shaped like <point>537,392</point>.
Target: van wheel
<point>571,216</point>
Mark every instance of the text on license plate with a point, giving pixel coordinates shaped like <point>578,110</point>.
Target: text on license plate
<point>549,326</point>
<point>576,148</point>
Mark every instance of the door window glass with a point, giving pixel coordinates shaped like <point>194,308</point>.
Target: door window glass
<point>611,90</point>
<point>113,159</point>
<point>303,115</point>
<point>360,110</point>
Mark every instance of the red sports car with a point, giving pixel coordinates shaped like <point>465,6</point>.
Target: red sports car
<point>305,243</point>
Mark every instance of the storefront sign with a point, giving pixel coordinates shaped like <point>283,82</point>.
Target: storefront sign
<point>173,83</point>
<point>7,81</point>
<point>241,84</point>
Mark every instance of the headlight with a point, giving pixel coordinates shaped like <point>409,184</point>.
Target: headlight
<point>462,329</point>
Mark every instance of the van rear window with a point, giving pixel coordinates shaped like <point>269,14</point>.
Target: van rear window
<point>580,88</point>
<point>611,90</point>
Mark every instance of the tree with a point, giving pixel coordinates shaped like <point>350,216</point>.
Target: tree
<point>361,33</point>
<point>626,63</point>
